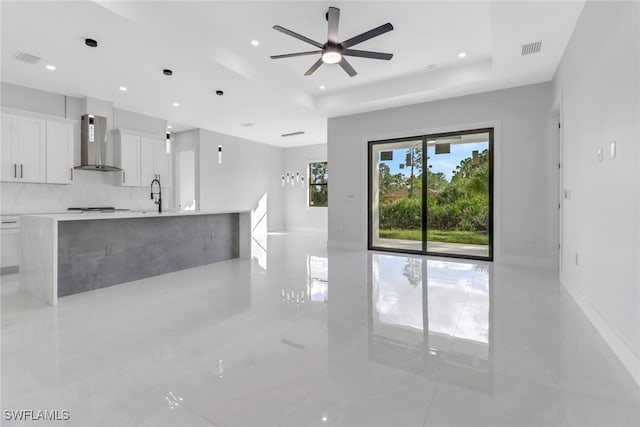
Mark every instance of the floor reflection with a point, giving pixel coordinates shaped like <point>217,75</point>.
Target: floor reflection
<point>428,313</point>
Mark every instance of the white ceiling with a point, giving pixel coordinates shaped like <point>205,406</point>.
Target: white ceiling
<point>207,45</point>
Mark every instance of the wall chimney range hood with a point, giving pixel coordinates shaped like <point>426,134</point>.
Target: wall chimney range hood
<point>93,144</point>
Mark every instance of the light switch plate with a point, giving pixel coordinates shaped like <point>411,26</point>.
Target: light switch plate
<point>613,149</point>
<point>599,154</point>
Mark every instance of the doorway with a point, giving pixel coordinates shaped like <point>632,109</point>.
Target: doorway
<point>433,194</point>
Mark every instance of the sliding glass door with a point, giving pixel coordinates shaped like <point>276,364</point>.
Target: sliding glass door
<point>433,194</point>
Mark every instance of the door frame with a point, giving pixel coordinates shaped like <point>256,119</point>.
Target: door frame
<point>491,130</point>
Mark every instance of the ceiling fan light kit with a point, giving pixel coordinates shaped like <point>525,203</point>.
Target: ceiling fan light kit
<point>334,52</point>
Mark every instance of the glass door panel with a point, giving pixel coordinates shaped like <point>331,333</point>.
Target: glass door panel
<point>433,194</point>
<point>458,204</point>
<point>395,195</point>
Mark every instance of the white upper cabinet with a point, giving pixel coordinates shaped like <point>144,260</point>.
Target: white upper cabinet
<point>23,148</point>
<point>36,148</point>
<point>162,162</point>
<point>59,152</point>
<point>127,157</point>
<point>9,143</point>
<point>147,167</point>
<point>143,158</point>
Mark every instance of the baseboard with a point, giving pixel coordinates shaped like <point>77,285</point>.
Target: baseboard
<point>526,261</point>
<point>629,359</point>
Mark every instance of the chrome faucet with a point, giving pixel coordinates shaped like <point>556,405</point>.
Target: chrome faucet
<point>159,194</point>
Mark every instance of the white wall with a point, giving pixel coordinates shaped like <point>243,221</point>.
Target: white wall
<point>525,179</point>
<point>250,171</point>
<point>298,215</point>
<point>598,82</point>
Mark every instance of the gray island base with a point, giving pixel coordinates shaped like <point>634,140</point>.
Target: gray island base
<point>68,254</point>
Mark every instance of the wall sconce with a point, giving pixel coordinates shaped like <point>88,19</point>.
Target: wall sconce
<point>289,178</point>
<point>219,154</point>
<point>168,142</point>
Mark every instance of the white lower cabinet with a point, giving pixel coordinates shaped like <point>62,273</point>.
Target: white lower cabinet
<point>9,244</point>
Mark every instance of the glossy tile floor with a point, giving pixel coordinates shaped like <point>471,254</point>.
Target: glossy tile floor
<point>300,336</point>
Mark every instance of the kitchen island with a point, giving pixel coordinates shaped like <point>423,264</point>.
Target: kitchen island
<point>64,254</point>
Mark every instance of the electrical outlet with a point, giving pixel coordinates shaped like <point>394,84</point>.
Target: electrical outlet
<point>599,154</point>
<point>108,250</point>
<point>576,258</point>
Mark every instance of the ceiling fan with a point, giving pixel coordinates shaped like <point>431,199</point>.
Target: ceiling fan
<point>334,52</point>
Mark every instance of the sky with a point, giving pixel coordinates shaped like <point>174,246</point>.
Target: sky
<point>445,163</point>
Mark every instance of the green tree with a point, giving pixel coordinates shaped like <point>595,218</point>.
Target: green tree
<point>318,184</point>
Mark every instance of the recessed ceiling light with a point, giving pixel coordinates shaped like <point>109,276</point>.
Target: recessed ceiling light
<point>219,92</point>
<point>169,127</point>
<point>432,67</point>
<point>123,88</point>
<point>255,43</point>
<point>176,104</point>
<point>462,54</point>
<point>323,87</point>
<point>51,67</point>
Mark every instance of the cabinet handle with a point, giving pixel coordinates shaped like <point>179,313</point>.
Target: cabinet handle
<point>15,170</point>
<point>71,174</point>
<point>21,170</point>
<point>9,222</point>
<point>123,177</point>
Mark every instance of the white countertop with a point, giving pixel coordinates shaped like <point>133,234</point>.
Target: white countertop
<point>125,214</point>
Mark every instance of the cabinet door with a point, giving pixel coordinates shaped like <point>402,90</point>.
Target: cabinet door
<point>10,243</point>
<point>130,160</point>
<point>31,137</point>
<point>9,162</point>
<point>147,168</point>
<point>163,163</point>
<point>59,153</point>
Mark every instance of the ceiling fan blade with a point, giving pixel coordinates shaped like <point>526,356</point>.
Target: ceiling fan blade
<point>347,67</point>
<point>367,54</point>
<point>368,35</point>
<point>291,55</point>
<point>297,36</point>
<point>333,16</point>
<point>314,67</point>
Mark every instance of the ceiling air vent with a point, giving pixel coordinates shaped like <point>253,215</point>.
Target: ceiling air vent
<point>531,48</point>
<point>25,57</point>
<point>247,124</point>
<point>284,135</point>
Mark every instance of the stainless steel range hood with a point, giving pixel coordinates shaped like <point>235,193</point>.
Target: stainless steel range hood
<point>93,144</point>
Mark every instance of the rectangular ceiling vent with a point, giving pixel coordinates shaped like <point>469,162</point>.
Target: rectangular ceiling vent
<point>284,135</point>
<point>531,48</point>
<point>247,124</point>
<point>25,57</point>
